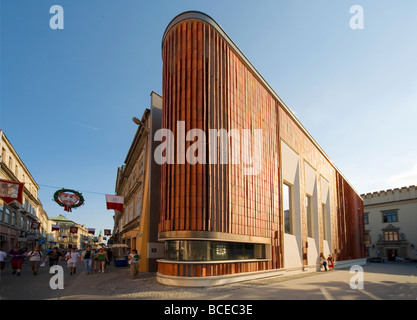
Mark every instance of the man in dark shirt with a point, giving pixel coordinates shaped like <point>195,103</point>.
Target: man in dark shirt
<point>88,257</point>
<point>54,257</point>
<point>17,255</point>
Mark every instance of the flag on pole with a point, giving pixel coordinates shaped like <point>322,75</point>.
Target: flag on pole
<point>91,230</point>
<point>11,191</point>
<point>55,227</point>
<point>114,202</point>
<point>107,232</point>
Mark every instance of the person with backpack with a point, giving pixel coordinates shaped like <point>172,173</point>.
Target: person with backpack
<point>35,257</point>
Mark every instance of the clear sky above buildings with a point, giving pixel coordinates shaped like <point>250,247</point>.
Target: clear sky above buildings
<point>68,96</point>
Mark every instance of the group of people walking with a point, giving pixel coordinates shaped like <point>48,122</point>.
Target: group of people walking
<point>94,260</point>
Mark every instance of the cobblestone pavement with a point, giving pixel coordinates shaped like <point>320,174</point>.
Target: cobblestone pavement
<point>388,281</point>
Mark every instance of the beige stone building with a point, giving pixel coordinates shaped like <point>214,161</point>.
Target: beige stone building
<point>137,225</point>
<point>16,218</point>
<point>391,223</point>
<point>64,239</point>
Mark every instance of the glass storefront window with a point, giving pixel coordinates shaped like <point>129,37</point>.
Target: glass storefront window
<point>199,250</point>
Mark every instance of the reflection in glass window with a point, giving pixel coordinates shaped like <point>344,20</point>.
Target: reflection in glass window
<point>391,235</point>
<point>323,214</point>
<point>286,202</point>
<point>389,217</point>
<point>309,210</point>
<point>199,250</point>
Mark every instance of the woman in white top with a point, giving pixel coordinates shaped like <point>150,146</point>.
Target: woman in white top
<point>35,257</point>
<point>72,258</point>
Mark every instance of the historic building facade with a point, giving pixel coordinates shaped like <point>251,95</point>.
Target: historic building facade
<point>260,198</point>
<point>138,182</point>
<point>390,223</point>
<point>16,218</point>
<point>65,234</point>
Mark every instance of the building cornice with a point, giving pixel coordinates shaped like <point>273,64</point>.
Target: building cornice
<point>389,203</point>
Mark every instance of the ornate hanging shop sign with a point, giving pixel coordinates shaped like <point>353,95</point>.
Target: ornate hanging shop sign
<point>68,199</point>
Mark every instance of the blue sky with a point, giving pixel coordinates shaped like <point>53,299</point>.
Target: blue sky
<point>68,96</point>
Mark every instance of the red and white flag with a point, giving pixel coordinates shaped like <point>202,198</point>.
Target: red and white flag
<point>35,225</point>
<point>11,191</point>
<point>55,227</point>
<point>114,202</point>
<point>107,232</point>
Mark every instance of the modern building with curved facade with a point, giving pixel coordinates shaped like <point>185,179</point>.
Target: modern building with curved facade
<point>220,221</point>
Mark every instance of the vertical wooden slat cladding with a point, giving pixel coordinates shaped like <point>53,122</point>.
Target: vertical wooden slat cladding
<point>350,221</point>
<point>204,270</point>
<point>206,85</point>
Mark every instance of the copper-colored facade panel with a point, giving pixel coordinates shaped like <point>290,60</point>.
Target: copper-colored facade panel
<point>208,84</point>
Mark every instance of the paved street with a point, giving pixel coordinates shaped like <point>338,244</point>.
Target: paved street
<point>391,281</point>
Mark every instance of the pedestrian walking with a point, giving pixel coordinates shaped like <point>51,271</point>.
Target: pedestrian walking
<point>95,263</point>
<point>330,262</point>
<point>88,257</point>
<point>101,260</point>
<point>134,259</point>
<point>54,257</point>
<point>109,256</point>
<point>3,257</point>
<point>17,257</point>
<point>323,261</point>
<point>35,257</point>
<point>72,258</point>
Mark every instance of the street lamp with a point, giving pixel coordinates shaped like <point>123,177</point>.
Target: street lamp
<point>140,123</point>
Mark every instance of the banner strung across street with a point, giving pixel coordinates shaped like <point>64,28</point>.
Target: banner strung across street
<point>11,191</point>
<point>68,199</point>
